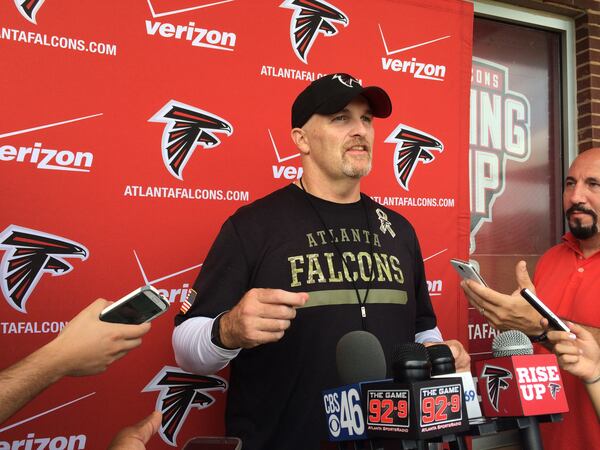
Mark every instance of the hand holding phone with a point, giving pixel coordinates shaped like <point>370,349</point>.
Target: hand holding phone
<point>467,271</point>
<point>553,320</point>
<point>139,306</point>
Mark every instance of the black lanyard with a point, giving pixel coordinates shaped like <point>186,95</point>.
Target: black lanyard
<point>361,302</point>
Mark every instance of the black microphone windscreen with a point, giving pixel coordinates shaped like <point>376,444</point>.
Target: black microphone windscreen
<point>442,360</point>
<point>511,343</point>
<point>410,362</point>
<point>359,357</point>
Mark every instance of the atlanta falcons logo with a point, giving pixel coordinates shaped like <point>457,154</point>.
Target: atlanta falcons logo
<point>346,80</point>
<point>180,391</point>
<point>29,8</point>
<point>495,380</point>
<point>412,147</point>
<point>554,389</point>
<point>29,254</point>
<point>186,128</point>
<point>310,18</point>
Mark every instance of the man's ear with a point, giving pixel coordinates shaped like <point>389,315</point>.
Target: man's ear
<point>301,140</point>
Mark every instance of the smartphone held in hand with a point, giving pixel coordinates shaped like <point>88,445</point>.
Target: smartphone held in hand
<point>139,306</point>
<point>553,320</point>
<point>467,271</point>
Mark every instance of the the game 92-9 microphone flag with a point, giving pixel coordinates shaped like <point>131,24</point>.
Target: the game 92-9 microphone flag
<point>413,405</point>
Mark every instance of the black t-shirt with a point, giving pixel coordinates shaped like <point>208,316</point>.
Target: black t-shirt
<point>284,241</point>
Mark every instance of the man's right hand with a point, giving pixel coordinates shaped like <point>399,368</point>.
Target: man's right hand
<point>261,316</point>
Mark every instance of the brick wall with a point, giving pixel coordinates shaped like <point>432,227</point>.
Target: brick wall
<point>588,77</point>
<point>587,35</point>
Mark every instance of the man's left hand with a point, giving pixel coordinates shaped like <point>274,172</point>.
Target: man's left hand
<point>502,311</point>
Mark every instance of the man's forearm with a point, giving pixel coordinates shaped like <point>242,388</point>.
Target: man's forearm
<point>22,381</point>
<point>194,351</point>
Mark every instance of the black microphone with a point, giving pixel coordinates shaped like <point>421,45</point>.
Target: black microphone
<point>359,358</point>
<point>442,360</point>
<point>410,362</point>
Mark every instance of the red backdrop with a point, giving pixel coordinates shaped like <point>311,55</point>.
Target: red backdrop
<point>84,89</point>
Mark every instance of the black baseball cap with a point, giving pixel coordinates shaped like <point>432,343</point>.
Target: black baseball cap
<point>331,93</point>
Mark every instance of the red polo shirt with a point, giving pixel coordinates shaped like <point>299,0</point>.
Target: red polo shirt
<point>569,284</point>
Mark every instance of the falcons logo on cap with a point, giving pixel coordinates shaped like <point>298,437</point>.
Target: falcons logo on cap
<point>180,391</point>
<point>310,18</point>
<point>554,389</point>
<point>29,254</point>
<point>346,80</point>
<point>186,128</point>
<point>29,8</point>
<point>495,380</point>
<point>412,146</point>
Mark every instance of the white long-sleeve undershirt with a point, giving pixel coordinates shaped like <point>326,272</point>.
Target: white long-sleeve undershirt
<point>196,353</point>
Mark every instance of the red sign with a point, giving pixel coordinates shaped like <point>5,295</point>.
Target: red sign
<point>526,385</point>
<point>130,131</point>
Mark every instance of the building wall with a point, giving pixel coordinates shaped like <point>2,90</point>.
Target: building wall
<point>587,22</point>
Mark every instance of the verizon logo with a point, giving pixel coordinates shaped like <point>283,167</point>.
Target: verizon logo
<point>417,69</point>
<point>424,71</point>
<point>435,287</point>
<point>31,442</point>
<point>199,37</point>
<point>287,172</point>
<point>47,158</point>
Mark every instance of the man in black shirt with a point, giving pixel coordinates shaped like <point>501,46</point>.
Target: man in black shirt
<point>291,273</point>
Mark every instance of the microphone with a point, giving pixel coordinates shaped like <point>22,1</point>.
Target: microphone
<point>442,360</point>
<point>409,406</point>
<point>442,366</point>
<point>410,362</point>
<point>518,383</point>
<point>359,358</point>
<point>511,343</point>
<point>413,405</point>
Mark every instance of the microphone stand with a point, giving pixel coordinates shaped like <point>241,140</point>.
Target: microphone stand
<point>530,435</point>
